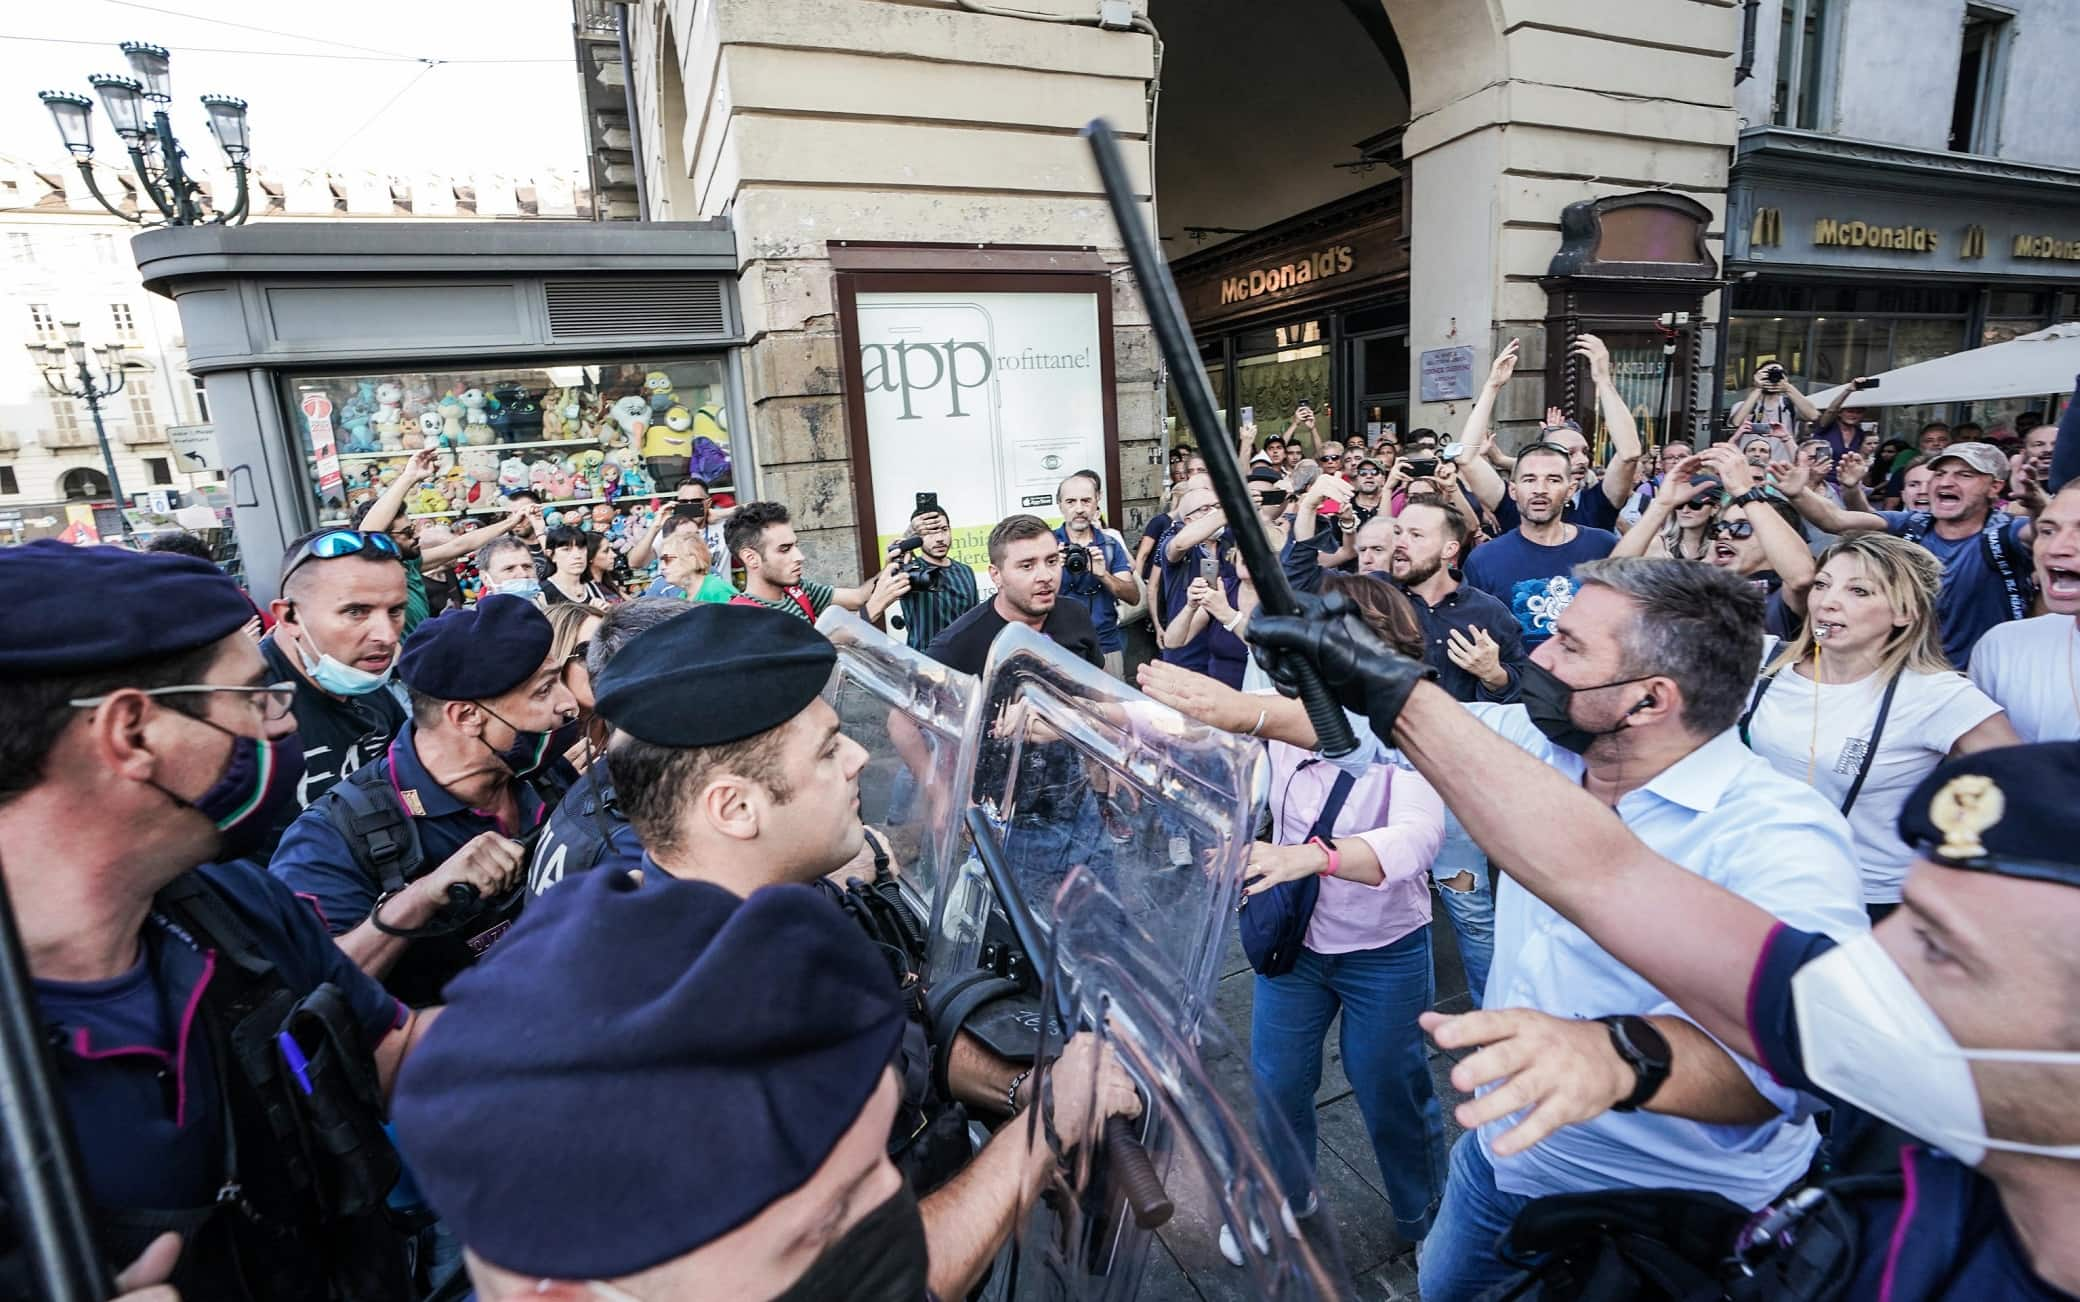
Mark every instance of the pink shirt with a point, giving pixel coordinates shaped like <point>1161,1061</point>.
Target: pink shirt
<point>1400,817</point>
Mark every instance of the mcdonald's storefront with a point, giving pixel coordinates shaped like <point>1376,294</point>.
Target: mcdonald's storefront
<point>1847,259</point>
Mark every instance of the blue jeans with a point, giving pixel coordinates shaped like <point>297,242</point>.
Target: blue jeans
<point>1381,992</point>
<point>1472,911</point>
<point>1458,1262</point>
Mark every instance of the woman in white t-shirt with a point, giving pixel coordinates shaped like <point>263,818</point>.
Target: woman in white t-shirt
<point>1862,704</point>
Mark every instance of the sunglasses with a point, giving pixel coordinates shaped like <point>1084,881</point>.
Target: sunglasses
<point>342,542</point>
<point>1731,529</point>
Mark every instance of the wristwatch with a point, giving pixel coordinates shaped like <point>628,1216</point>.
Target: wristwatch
<point>1645,1050</point>
<point>1754,494</point>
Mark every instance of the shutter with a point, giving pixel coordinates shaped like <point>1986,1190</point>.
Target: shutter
<point>603,309</point>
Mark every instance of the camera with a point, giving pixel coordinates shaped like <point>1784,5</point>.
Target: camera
<point>1773,373</point>
<point>1075,560</point>
<point>922,573</point>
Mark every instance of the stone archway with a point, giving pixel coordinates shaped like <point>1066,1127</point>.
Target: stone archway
<point>83,484</point>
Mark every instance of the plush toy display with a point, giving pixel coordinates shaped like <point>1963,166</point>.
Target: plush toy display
<point>512,475</point>
<point>430,435</point>
<point>429,500</point>
<point>631,417</point>
<point>357,417</point>
<point>610,480</point>
<point>541,477</point>
<point>517,414</point>
<point>657,386</point>
<point>477,409</point>
<point>602,519</point>
<point>389,416</point>
<point>563,414</point>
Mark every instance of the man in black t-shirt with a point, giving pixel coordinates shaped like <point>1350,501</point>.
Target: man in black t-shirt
<point>1025,564</point>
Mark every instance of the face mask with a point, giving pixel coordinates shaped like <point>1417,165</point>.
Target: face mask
<point>526,589</point>
<point>1549,702</point>
<point>529,751</point>
<point>258,784</point>
<point>1860,1019</point>
<point>340,679</point>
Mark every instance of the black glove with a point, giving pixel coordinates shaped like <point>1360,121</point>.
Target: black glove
<point>1366,675</point>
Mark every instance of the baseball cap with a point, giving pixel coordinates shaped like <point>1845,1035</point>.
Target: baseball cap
<point>1982,457</point>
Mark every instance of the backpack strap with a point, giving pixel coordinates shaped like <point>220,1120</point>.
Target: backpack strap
<point>379,833</point>
<point>1917,526</point>
<point>2018,587</point>
<point>1762,685</point>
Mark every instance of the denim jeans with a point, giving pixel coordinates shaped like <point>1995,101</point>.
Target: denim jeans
<point>1381,992</point>
<point>1459,1261</point>
<point>1472,911</point>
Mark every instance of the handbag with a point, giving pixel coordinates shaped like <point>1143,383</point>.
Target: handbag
<point>1274,922</point>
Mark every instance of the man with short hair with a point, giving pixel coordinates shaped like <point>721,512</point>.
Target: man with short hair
<point>445,805</point>
<point>339,622</point>
<point>1634,699</point>
<point>760,537</point>
<point>953,592</point>
<point>1594,506</point>
<point>507,567</point>
<point>1530,569</point>
<point>1985,555</point>
<point>1107,576</point>
<point>1369,497</point>
<point>1025,565</point>
<point>2032,666</point>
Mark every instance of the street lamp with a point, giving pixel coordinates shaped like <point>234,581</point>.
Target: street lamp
<point>64,361</point>
<point>136,108</point>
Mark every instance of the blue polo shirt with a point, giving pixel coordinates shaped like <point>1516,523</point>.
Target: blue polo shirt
<point>1088,591</point>
<point>313,858</point>
<point>134,1065</point>
<point>1944,1234</point>
<point>1972,599</point>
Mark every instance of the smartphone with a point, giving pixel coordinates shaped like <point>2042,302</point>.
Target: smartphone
<point>928,502</point>
<point>1870,383</point>
<point>1249,415</point>
<point>1421,466</point>
<point>1209,565</point>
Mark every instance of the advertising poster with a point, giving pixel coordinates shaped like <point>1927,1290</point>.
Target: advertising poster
<point>987,399</point>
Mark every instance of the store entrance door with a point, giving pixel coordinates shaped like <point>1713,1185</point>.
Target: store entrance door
<point>1377,367</point>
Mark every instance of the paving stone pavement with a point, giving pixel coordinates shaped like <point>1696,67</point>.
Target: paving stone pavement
<point>1381,1264</point>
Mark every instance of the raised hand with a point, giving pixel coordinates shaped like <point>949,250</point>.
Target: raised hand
<point>1505,365</point>
<point>1592,349</point>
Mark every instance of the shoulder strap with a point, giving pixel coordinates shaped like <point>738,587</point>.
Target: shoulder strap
<point>194,903</point>
<point>1870,749</point>
<point>1762,684</point>
<point>379,833</point>
<point>1917,526</point>
<point>801,599</point>
<point>1993,540</point>
<point>1332,808</point>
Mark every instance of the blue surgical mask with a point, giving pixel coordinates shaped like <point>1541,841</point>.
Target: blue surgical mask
<point>525,589</point>
<point>339,679</point>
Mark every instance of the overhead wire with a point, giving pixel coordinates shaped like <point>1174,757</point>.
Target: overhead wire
<point>294,54</point>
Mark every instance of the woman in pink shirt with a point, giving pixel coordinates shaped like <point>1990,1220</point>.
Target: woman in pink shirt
<point>1367,952</point>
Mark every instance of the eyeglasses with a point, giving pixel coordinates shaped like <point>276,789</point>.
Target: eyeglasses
<point>577,655</point>
<point>1733,529</point>
<point>274,700</point>
<point>341,542</point>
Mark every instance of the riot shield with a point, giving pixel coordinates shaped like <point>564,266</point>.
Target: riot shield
<point>1122,827</point>
<point>910,713</point>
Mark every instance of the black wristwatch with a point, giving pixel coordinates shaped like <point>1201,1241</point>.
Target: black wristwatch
<point>1645,1050</point>
<point>1754,494</point>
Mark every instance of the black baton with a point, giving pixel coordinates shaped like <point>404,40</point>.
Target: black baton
<point>1332,729</point>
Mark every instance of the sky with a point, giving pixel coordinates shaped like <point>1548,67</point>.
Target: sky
<point>334,86</point>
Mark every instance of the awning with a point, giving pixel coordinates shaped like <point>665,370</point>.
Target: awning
<point>2024,367</point>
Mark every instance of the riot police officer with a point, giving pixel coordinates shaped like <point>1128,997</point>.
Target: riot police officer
<point>1951,1020</point>
<point>413,860</point>
<point>203,1024</point>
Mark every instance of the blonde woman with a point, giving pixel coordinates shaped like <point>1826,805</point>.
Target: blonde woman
<point>1862,704</point>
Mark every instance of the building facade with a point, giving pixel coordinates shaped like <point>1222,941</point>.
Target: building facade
<point>1430,151</point>
<point>1906,185</point>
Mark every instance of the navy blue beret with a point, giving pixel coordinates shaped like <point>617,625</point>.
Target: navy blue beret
<point>79,609</point>
<point>2010,810</point>
<point>637,1070</point>
<point>714,675</point>
<point>472,655</point>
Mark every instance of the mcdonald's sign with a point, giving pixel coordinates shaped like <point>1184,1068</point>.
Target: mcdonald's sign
<point>1973,244</point>
<point>1768,228</point>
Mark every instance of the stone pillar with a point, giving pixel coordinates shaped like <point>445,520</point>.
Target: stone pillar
<point>1521,107</point>
<point>872,120</point>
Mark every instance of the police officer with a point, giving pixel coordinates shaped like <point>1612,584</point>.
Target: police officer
<point>1951,1020</point>
<point>413,860</point>
<point>144,747</point>
<point>587,827</point>
<point>694,1089</point>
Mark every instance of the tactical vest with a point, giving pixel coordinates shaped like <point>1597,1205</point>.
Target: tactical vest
<point>300,1214</point>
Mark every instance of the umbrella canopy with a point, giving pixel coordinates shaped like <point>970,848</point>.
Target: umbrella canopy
<point>2025,366</point>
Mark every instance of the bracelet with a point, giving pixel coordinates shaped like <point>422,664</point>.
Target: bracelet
<point>1241,616</point>
<point>1328,847</point>
<point>1011,1094</point>
<point>1258,727</point>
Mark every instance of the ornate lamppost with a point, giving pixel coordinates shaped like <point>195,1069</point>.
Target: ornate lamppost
<point>137,109</point>
<point>69,374</point>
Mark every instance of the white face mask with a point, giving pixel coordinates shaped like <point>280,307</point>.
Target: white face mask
<point>1871,1040</point>
<point>336,677</point>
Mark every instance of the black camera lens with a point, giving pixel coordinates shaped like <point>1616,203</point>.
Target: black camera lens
<point>1076,560</point>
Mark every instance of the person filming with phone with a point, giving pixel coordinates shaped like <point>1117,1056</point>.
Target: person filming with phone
<point>942,589</point>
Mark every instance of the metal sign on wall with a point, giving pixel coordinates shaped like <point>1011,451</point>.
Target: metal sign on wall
<point>1878,230</point>
<point>984,387</point>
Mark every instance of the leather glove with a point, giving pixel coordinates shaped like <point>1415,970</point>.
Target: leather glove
<point>1366,676</point>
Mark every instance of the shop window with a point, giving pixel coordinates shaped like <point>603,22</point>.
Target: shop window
<point>1277,369</point>
<point>160,469</point>
<point>1177,430</point>
<point>1753,342</point>
<point>1805,65</point>
<point>581,435</point>
<point>1982,73</point>
<point>9,486</point>
<point>1846,347</point>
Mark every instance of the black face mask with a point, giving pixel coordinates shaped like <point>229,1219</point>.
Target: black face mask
<point>881,1259</point>
<point>1549,702</point>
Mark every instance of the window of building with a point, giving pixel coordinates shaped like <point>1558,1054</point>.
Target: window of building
<point>160,469</point>
<point>9,486</point>
<point>1982,68</point>
<point>125,321</point>
<point>1805,64</point>
<point>144,418</point>
<point>65,420</point>
<point>20,246</point>
<point>201,399</point>
<point>104,248</point>
<point>43,321</point>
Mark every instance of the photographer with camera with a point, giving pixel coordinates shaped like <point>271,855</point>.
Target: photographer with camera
<point>1773,401</point>
<point>1097,572</point>
<point>942,589</point>
<point>1841,424</point>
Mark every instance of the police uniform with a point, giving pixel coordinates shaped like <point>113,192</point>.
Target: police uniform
<point>167,1070</point>
<point>585,830</point>
<point>331,856</point>
<point>665,1061</point>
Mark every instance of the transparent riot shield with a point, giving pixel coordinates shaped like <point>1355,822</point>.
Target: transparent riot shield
<point>1122,828</point>
<point>911,714</point>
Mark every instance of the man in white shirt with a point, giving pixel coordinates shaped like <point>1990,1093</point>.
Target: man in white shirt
<point>2032,666</point>
<point>1635,697</point>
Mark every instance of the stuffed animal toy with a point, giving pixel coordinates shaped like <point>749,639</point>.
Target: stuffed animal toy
<point>657,386</point>
<point>553,519</point>
<point>541,477</point>
<point>709,461</point>
<point>390,438</point>
<point>552,415</point>
<point>455,486</point>
<point>389,411</point>
<point>603,518</point>
<point>451,412</point>
<point>671,437</point>
<point>477,407</point>
<point>357,417</point>
<point>429,500</point>
<point>610,480</point>
<point>631,421</point>
<point>519,414</point>
<point>567,407</point>
<point>564,482</point>
<point>430,435</point>
<point>512,475</point>
<point>636,481</point>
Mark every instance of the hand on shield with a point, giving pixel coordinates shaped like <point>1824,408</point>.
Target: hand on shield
<point>1364,674</point>
<point>1086,1085</point>
<point>144,1280</point>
